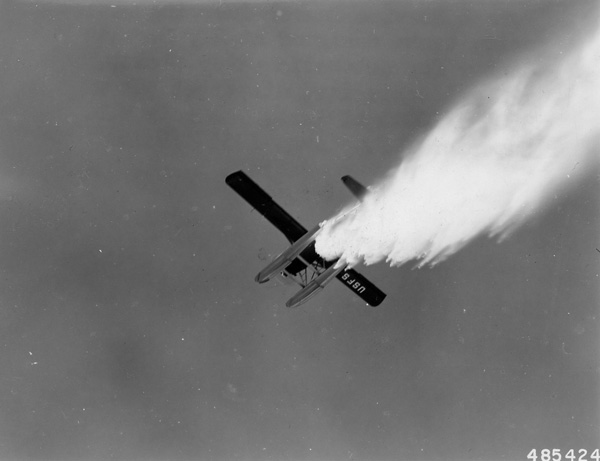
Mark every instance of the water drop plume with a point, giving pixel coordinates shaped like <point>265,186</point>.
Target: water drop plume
<point>496,158</point>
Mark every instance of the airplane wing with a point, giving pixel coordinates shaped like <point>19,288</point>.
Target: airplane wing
<point>293,230</point>
<point>361,287</point>
<point>265,205</point>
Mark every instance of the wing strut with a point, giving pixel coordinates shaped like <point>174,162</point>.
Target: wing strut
<point>288,255</point>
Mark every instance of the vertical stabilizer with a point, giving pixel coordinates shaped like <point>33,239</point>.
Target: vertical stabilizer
<point>357,189</point>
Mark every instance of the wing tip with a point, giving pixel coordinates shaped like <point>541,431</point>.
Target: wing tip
<point>236,176</point>
<point>377,301</point>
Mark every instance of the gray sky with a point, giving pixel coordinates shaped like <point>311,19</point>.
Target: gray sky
<point>131,324</point>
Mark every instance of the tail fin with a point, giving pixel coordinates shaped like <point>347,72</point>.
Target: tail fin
<point>357,189</point>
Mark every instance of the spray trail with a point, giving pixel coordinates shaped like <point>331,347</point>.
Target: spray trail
<point>497,156</point>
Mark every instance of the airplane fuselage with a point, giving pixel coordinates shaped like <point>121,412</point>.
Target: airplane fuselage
<point>288,255</point>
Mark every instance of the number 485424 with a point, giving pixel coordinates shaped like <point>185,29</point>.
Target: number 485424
<point>556,455</point>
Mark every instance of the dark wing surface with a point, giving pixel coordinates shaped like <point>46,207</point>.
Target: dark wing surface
<point>361,287</point>
<point>281,219</point>
<point>265,205</point>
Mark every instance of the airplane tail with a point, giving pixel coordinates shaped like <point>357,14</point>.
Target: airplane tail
<point>357,189</point>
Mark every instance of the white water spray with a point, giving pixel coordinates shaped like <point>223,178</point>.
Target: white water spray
<point>496,158</point>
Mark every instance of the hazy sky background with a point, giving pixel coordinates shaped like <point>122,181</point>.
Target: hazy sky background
<point>131,326</point>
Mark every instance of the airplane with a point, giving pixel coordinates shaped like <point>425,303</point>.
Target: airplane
<point>300,262</point>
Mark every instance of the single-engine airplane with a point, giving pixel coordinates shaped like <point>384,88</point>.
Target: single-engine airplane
<point>300,262</point>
